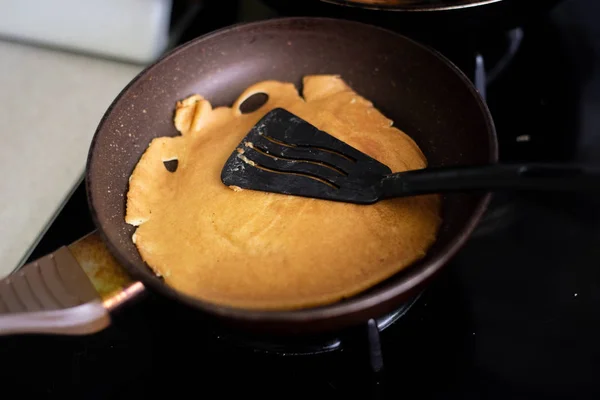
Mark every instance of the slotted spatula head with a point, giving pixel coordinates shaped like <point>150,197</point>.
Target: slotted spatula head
<point>285,154</point>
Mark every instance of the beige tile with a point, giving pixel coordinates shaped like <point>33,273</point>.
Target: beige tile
<point>50,105</point>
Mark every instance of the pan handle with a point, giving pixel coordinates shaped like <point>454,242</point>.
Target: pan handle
<point>51,295</point>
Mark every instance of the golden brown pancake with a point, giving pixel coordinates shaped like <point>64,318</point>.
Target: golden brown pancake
<point>259,250</point>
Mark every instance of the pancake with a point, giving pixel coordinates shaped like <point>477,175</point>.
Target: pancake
<point>257,250</point>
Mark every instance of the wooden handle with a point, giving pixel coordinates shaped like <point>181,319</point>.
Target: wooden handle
<point>52,295</point>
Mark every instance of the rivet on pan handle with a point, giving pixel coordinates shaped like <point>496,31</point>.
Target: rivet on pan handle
<point>51,295</point>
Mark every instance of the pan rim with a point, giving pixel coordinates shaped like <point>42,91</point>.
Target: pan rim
<point>352,305</point>
<point>413,8</point>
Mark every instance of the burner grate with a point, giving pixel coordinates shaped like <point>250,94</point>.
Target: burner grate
<point>319,344</point>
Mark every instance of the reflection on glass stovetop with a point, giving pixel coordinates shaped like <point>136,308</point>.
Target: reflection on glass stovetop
<point>514,315</point>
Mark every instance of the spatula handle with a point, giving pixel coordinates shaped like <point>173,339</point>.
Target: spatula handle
<point>545,177</point>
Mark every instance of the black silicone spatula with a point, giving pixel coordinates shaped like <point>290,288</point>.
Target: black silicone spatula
<point>284,154</point>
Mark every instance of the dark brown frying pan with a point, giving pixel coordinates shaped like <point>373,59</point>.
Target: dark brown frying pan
<point>422,92</point>
<point>433,20</point>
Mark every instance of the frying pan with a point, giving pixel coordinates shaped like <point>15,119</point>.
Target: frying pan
<point>421,91</point>
<point>437,22</point>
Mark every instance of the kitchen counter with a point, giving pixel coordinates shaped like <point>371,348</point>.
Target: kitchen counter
<point>50,105</point>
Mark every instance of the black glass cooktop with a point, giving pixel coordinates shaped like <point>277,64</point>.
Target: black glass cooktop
<point>515,314</point>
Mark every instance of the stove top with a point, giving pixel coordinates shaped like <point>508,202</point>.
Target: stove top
<point>514,315</point>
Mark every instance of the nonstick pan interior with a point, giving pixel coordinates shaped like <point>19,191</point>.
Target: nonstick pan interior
<point>425,96</point>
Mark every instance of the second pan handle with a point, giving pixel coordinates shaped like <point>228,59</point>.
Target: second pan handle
<point>52,295</point>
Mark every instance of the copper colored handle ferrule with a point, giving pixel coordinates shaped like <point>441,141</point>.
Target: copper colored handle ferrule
<point>51,295</point>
